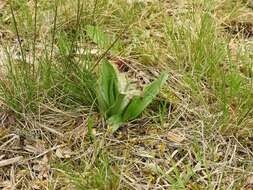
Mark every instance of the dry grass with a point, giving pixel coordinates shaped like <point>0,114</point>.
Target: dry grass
<point>196,135</point>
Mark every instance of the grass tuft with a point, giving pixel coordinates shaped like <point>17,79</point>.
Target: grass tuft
<point>197,132</point>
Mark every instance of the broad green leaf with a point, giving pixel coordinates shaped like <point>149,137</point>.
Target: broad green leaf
<point>115,122</point>
<point>119,106</point>
<point>138,103</point>
<point>98,36</point>
<point>107,86</point>
<point>125,93</point>
<point>112,89</point>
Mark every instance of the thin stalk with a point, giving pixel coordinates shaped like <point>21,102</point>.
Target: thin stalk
<point>94,10</point>
<point>107,50</point>
<point>54,30</point>
<point>17,33</point>
<point>78,18</point>
<point>34,34</point>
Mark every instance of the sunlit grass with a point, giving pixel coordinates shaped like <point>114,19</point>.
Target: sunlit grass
<point>196,134</point>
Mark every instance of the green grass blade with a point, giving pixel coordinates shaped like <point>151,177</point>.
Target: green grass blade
<point>115,122</point>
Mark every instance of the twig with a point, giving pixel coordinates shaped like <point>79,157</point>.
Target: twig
<point>10,161</point>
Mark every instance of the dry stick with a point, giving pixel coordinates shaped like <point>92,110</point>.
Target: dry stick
<point>18,36</point>
<point>54,30</point>
<point>10,161</point>
<point>8,141</point>
<point>45,152</point>
<point>108,49</point>
<point>51,130</point>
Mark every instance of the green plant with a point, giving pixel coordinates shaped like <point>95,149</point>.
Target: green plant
<point>119,100</point>
<point>103,40</point>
